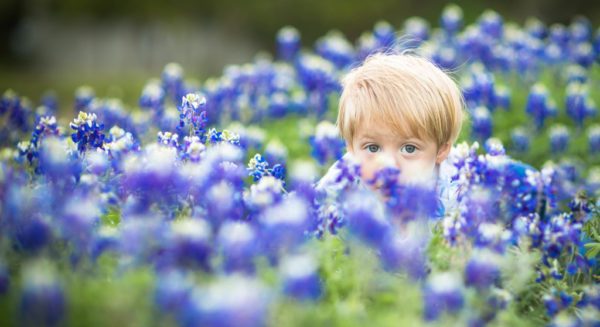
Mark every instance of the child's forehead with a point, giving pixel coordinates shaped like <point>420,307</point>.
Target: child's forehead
<point>378,128</point>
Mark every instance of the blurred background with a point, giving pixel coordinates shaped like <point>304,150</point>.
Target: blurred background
<point>115,46</point>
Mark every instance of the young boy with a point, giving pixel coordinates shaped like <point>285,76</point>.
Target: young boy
<point>398,110</point>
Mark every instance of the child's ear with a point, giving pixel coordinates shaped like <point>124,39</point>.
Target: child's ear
<point>443,153</point>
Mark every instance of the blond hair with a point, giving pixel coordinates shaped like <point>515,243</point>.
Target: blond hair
<point>404,91</point>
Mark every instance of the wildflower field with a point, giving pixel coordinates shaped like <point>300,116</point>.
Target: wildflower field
<point>197,205</point>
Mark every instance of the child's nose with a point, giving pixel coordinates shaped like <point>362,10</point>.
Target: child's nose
<point>390,159</point>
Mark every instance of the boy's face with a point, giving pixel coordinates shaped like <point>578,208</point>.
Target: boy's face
<point>378,145</point>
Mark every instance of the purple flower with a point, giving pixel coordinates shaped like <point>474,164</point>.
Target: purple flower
<point>406,251</point>
<point>593,134</point>
<point>284,226</point>
<point>384,34</point>
<point>84,96</point>
<point>300,277</point>
<point>193,115</point>
<point>539,105</point>
<point>288,43</point>
<point>482,123</point>
<point>366,217</point>
<point>335,48</point>
<point>451,20</point>
<point>43,300</point>
<point>521,140</point>
<point>172,291</point>
<point>326,144</point>
<point>237,243</point>
<point>536,28</point>
<point>228,302</point>
<point>188,243</point>
<point>4,278</point>
<point>442,293</point>
<point>491,24</point>
<point>88,132</point>
<point>579,105</point>
<point>172,81</point>
<point>259,168</point>
<point>559,138</point>
<point>153,97</point>
<point>482,270</point>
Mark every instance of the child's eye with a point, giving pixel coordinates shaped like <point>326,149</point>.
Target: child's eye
<point>409,148</point>
<point>372,148</point>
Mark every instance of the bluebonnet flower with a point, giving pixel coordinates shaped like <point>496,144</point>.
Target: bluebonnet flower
<point>17,115</point>
<point>57,160</point>
<point>251,137</point>
<point>584,54</point>
<point>43,301</point>
<point>482,270</point>
<point>576,74</point>
<point>259,167</point>
<point>4,278</point>
<point>192,148</point>
<point>521,140</point>
<point>193,114</point>
<point>173,290</point>
<point>266,192</point>
<point>442,293</point>
<point>46,126</point>
<point>169,139</point>
<point>88,132</point>
<point>151,174</point>
<point>326,144</point>
<point>288,43</point>
<point>79,220</point>
<point>580,29</point>
<point>539,105</point>
<point>579,105</point>
<point>215,136</point>
<point>559,138</point>
<point>119,143</point>
<point>406,251</point>
<point>479,88</point>
<point>153,97</point>
<point>445,57</point>
<point>49,100</point>
<point>559,34</point>
<point>284,225</point>
<point>384,34</point>
<point>366,217</point>
<point>536,28</point>
<point>482,123</point>
<point>416,30</point>
<point>172,81</point>
<point>366,45</point>
<point>227,302</point>
<point>494,147</point>
<point>275,151</point>
<point>593,134</point>
<point>105,239</point>
<point>451,20</point>
<point>189,242</point>
<point>237,244</point>
<point>84,96</point>
<point>300,277</point>
<point>335,48</point>
<point>32,234</point>
<point>491,24</point>
<point>318,77</point>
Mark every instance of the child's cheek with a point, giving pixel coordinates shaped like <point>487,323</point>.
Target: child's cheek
<point>368,169</point>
